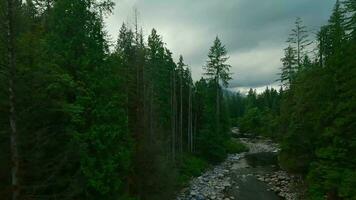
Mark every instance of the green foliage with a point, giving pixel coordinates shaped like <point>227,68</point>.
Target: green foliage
<point>216,69</point>
<point>289,66</point>
<point>191,166</point>
<point>235,106</point>
<point>234,147</point>
<point>212,116</point>
<point>335,179</point>
<point>95,124</point>
<point>261,113</point>
<point>211,146</point>
<point>313,114</point>
<point>317,116</point>
<point>210,142</point>
<point>251,122</point>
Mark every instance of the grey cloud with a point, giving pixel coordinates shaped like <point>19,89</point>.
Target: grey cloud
<point>254,31</point>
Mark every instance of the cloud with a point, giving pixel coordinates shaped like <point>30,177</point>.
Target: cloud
<point>256,67</point>
<point>254,31</point>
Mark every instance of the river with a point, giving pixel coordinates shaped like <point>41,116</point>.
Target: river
<point>253,175</point>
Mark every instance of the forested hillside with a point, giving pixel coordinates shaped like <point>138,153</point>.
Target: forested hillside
<point>313,115</point>
<point>79,121</point>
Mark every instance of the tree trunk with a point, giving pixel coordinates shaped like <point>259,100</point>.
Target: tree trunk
<point>195,130</point>
<point>12,115</point>
<point>174,104</point>
<point>181,112</point>
<point>189,119</point>
<point>151,115</point>
<point>217,106</point>
<point>144,102</point>
<point>298,46</point>
<point>321,46</point>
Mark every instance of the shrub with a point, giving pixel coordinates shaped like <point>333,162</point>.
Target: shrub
<point>211,146</point>
<point>191,166</point>
<point>233,147</point>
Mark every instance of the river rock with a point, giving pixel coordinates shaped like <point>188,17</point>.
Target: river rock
<point>214,183</point>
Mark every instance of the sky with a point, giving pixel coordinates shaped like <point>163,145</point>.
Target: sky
<point>254,32</point>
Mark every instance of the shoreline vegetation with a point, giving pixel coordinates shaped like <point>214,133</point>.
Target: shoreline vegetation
<point>311,116</point>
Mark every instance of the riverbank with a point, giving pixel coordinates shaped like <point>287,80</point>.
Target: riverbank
<point>251,175</point>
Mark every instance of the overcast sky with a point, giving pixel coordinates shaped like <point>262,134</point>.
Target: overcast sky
<point>253,31</point>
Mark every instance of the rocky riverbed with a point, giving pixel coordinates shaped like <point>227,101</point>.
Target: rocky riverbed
<point>247,176</point>
<point>281,183</point>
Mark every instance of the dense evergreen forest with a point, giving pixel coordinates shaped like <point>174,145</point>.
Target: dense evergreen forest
<point>82,118</point>
<point>313,115</point>
<point>90,123</point>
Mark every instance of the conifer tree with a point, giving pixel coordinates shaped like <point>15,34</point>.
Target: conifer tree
<point>298,40</point>
<point>190,114</point>
<point>180,69</point>
<point>217,71</point>
<point>322,42</point>
<point>336,30</point>
<point>289,66</point>
<point>351,17</point>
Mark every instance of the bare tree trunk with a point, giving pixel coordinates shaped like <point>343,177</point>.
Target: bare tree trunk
<point>12,116</point>
<point>181,112</point>
<point>14,143</point>
<point>138,79</point>
<point>195,130</point>
<point>151,115</point>
<point>189,119</point>
<point>174,105</point>
<point>217,107</point>
<point>144,100</point>
<point>136,25</point>
<point>298,45</point>
<point>321,59</point>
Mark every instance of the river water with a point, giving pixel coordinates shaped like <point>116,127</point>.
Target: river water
<point>237,177</point>
<point>246,185</point>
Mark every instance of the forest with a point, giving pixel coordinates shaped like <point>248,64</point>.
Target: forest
<point>84,118</point>
<point>313,114</point>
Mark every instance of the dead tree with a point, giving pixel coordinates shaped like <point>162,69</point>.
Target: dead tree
<point>11,61</point>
